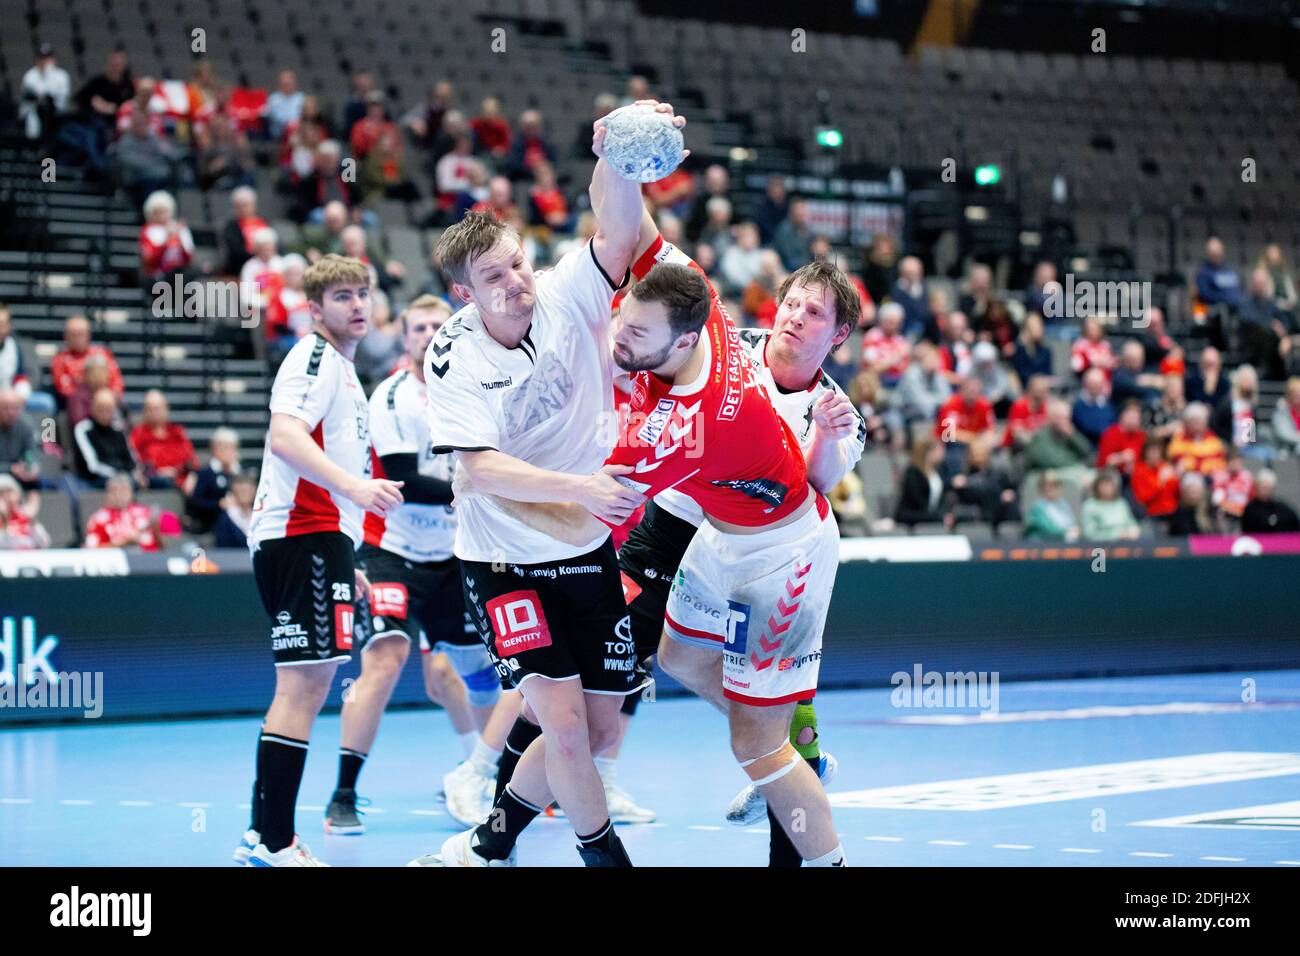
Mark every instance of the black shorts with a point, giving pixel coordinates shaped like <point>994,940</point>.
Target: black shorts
<point>408,598</point>
<point>560,619</point>
<point>648,561</point>
<point>306,584</point>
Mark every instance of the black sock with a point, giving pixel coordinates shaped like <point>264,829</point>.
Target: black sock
<point>350,762</point>
<point>509,816</point>
<point>606,842</point>
<point>781,851</point>
<point>521,735</point>
<point>280,761</point>
<point>255,819</point>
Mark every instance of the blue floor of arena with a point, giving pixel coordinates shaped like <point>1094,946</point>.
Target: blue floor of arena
<point>1138,755</point>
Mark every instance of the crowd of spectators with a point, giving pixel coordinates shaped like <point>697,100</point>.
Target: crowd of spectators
<point>1114,431</point>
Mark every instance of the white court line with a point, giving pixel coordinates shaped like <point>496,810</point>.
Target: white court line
<point>135,803</point>
<point>1225,859</point>
<point>643,825</point>
<point>243,806</point>
<point>76,803</point>
<point>702,827</point>
<point>371,810</point>
<point>1145,853</point>
<point>426,813</point>
<point>15,801</point>
<point>1076,849</point>
<point>948,843</point>
<point>191,805</point>
<point>1013,846</point>
<point>1287,862</point>
<point>886,839</point>
<point>762,830</point>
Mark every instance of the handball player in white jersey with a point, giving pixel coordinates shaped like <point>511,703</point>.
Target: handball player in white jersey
<point>521,388</point>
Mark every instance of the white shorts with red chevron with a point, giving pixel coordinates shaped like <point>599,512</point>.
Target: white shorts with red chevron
<point>761,599</point>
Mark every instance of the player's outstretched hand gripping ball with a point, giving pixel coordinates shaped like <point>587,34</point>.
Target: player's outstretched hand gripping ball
<point>641,144</point>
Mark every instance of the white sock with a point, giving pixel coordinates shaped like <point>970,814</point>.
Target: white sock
<point>833,858</point>
<point>484,757</point>
<point>467,742</point>
<point>605,767</point>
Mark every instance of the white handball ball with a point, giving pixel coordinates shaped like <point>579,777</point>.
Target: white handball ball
<point>642,144</point>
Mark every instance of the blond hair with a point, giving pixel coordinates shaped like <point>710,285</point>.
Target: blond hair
<point>333,270</point>
<point>462,243</point>
<point>424,303</point>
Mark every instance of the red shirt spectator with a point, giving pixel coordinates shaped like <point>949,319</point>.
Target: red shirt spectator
<point>1023,419</point>
<point>491,128</point>
<point>1233,489</point>
<point>245,106</point>
<point>122,527</point>
<point>164,449</point>
<point>677,186</point>
<point>368,130</point>
<point>1092,350</point>
<point>1125,435</point>
<point>165,248</point>
<point>1155,485</point>
<point>886,350</point>
<point>67,368</point>
<point>962,414</point>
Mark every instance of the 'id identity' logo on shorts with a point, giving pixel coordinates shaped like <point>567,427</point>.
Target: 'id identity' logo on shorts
<point>737,627</point>
<point>518,623</point>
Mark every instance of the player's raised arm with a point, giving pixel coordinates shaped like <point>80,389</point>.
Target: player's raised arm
<point>624,227</point>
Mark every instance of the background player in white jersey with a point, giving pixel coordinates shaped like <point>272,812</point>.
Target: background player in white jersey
<point>415,589</point>
<point>314,487</point>
<point>519,383</point>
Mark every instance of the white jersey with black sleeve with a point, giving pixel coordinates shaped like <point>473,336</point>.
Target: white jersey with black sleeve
<point>547,401</point>
<point>315,384</point>
<point>797,410</point>
<point>399,426</point>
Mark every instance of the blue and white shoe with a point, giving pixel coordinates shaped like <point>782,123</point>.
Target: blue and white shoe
<point>247,842</point>
<point>750,806</point>
<point>295,854</point>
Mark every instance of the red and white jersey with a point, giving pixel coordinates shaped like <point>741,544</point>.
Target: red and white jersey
<point>399,426</point>
<point>162,250</point>
<point>317,385</point>
<point>717,439</point>
<point>547,401</point>
<point>1086,354</point>
<point>108,524</point>
<point>795,409</point>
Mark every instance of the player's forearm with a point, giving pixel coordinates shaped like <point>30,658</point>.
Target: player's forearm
<point>567,522</point>
<point>496,473</point>
<point>296,447</point>
<point>618,208</point>
<point>826,463</point>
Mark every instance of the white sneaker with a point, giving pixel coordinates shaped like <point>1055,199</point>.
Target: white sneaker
<point>456,851</point>
<point>247,842</point>
<point>465,787</point>
<point>295,854</point>
<point>750,806</point>
<point>622,808</point>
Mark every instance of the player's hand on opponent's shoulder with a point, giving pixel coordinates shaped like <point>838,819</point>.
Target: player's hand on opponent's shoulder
<point>598,127</point>
<point>377,495</point>
<point>607,498</point>
<point>835,416</point>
